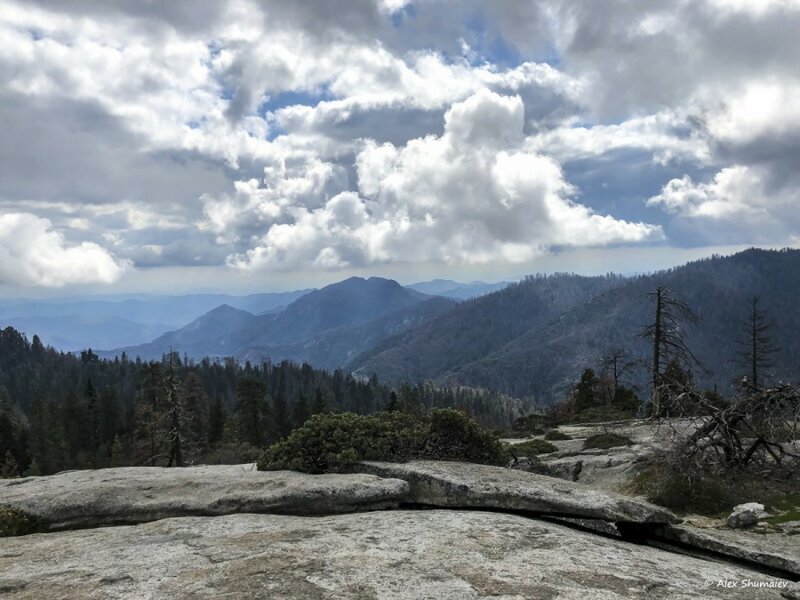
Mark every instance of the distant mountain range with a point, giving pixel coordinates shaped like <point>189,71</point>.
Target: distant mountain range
<point>325,327</point>
<point>460,291</point>
<point>111,322</point>
<point>122,321</point>
<point>528,339</point>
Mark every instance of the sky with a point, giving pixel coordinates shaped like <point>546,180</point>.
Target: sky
<point>247,145</point>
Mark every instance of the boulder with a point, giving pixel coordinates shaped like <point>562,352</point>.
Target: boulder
<point>746,514</point>
<point>462,485</point>
<point>392,555</point>
<point>137,494</point>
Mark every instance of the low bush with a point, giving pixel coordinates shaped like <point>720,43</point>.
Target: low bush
<point>554,435</point>
<point>15,522</point>
<point>451,435</point>
<point>604,441</point>
<point>332,442</point>
<point>532,424</point>
<point>601,414</point>
<point>684,492</point>
<point>532,448</point>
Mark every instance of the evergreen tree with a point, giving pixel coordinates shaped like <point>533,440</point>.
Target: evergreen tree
<point>75,424</point>
<point>93,416</point>
<point>196,415</point>
<point>251,410</point>
<point>148,416</point>
<point>280,414</point>
<point>394,404</point>
<point>9,428</point>
<point>216,421</point>
<point>300,411</point>
<point>409,399</point>
<point>319,406</point>
<point>586,391</point>
<point>108,416</point>
<point>9,469</point>
<point>176,417</point>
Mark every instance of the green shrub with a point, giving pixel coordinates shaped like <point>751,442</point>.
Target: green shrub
<point>601,414</point>
<point>554,435</point>
<point>604,441</point>
<point>451,435</point>
<point>332,442</point>
<point>15,522</point>
<point>532,448</point>
<point>532,424</point>
<point>686,493</point>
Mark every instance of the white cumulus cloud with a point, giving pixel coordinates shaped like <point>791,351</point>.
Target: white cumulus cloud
<point>31,253</point>
<point>737,197</point>
<point>471,195</point>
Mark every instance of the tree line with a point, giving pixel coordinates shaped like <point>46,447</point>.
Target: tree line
<point>62,411</point>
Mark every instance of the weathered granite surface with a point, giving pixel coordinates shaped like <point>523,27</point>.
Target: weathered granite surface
<point>462,485</point>
<point>138,494</point>
<point>775,550</point>
<point>436,554</point>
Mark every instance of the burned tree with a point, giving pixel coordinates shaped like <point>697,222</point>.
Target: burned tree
<point>759,428</point>
<point>614,362</point>
<point>668,337</point>
<point>757,347</point>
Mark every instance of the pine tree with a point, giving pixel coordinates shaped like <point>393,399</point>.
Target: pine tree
<point>108,416</point>
<point>196,415</point>
<point>216,421</point>
<point>176,416</point>
<point>280,414</point>
<point>9,427</point>
<point>9,468</point>
<point>251,410</point>
<point>394,404</point>
<point>149,416</point>
<point>75,424</point>
<point>586,391</point>
<point>410,400</point>
<point>93,417</point>
<point>319,406</point>
<point>300,411</point>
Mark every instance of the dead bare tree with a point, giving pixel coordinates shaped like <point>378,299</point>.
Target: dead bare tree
<point>760,428</point>
<point>757,347</point>
<point>668,337</point>
<point>615,362</point>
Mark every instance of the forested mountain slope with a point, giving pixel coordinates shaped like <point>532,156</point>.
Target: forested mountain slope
<point>335,347</point>
<point>478,327</point>
<point>543,357</point>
